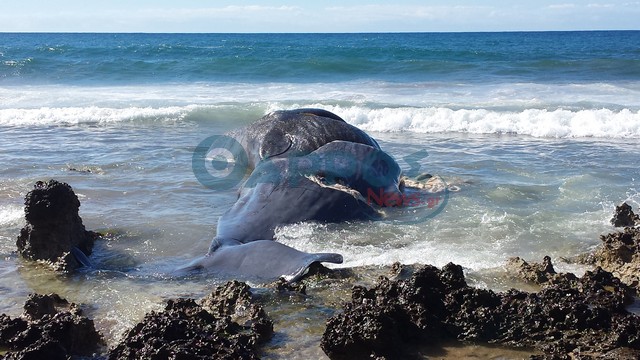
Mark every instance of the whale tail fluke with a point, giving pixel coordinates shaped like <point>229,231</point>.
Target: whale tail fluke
<point>260,260</point>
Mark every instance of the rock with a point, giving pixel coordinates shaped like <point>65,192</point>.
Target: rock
<point>585,314</point>
<point>225,325</point>
<point>54,227</point>
<point>624,216</point>
<point>282,285</point>
<point>37,306</point>
<point>537,273</point>
<point>619,250</point>
<point>234,300</point>
<point>384,320</point>
<point>51,328</point>
<point>621,354</point>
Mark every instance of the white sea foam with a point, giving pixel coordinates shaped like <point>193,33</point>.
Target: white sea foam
<point>418,94</point>
<point>10,215</point>
<point>539,110</point>
<point>559,123</point>
<point>91,114</point>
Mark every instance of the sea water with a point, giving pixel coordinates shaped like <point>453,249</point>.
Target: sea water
<point>540,132</point>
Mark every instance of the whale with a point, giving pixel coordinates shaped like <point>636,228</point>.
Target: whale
<point>303,165</point>
<point>330,184</point>
<point>289,133</point>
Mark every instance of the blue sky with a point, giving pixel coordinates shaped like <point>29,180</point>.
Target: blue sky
<point>316,16</point>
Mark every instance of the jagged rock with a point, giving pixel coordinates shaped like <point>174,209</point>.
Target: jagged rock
<point>584,314</point>
<point>54,227</point>
<point>51,328</point>
<point>234,300</point>
<point>537,273</point>
<point>624,216</point>
<point>283,285</point>
<point>225,325</point>
<point>382,321</point>
<point>619,250</point>
<point>37,306</point>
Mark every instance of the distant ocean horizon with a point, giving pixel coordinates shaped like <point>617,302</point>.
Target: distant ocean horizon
<point>540,131</point>
<point>532,76</point>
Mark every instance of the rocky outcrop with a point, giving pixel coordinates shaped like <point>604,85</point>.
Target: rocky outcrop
<point>50,328</point>
<point>537,273</point>
<point>585,315</point>
<point>54,228</point>
<point>624,216</point>
<point>619,252</point>
<point>224,325</point>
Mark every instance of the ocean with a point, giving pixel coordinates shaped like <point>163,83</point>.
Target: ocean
<point>539,131</point>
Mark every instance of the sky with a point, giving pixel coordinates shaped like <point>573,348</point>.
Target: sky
<point>240,16</point>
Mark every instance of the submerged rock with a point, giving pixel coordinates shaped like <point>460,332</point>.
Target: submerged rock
<point>224,325</point>
<point>584,315</point>
<point>50,328</point>
<point>282,285</point>
<point>54,229</point>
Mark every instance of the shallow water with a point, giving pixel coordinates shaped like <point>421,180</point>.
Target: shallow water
<point>518,196</point>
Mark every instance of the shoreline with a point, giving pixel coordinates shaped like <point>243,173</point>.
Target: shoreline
<point>325,290</point>
<point>396,311</point>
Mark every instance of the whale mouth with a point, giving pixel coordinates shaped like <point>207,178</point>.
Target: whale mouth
<point>319,180</point>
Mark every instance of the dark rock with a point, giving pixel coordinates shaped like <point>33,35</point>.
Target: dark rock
<point>50,350</point>
<point>583,315</point>
<point>382,321</point>
<point>225,325</point>
<point>624,216</point>
<point>234,300</point>
<point>37,306</point>
<point>51,328</point>
<point>9,328</point>
<point>283,285</point>
<point>53,226</point>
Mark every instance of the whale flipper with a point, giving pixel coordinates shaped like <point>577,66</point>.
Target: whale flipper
<point>81,257</point>
<point>261,260</point>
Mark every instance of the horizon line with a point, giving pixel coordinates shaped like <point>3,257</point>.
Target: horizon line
<point>318,33</point>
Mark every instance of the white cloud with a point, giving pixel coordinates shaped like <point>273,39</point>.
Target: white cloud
<point>561,6</point>
<point>600,6</point>
<point>406,11</point>
<point>230,10</point>
<point>409,17</point>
